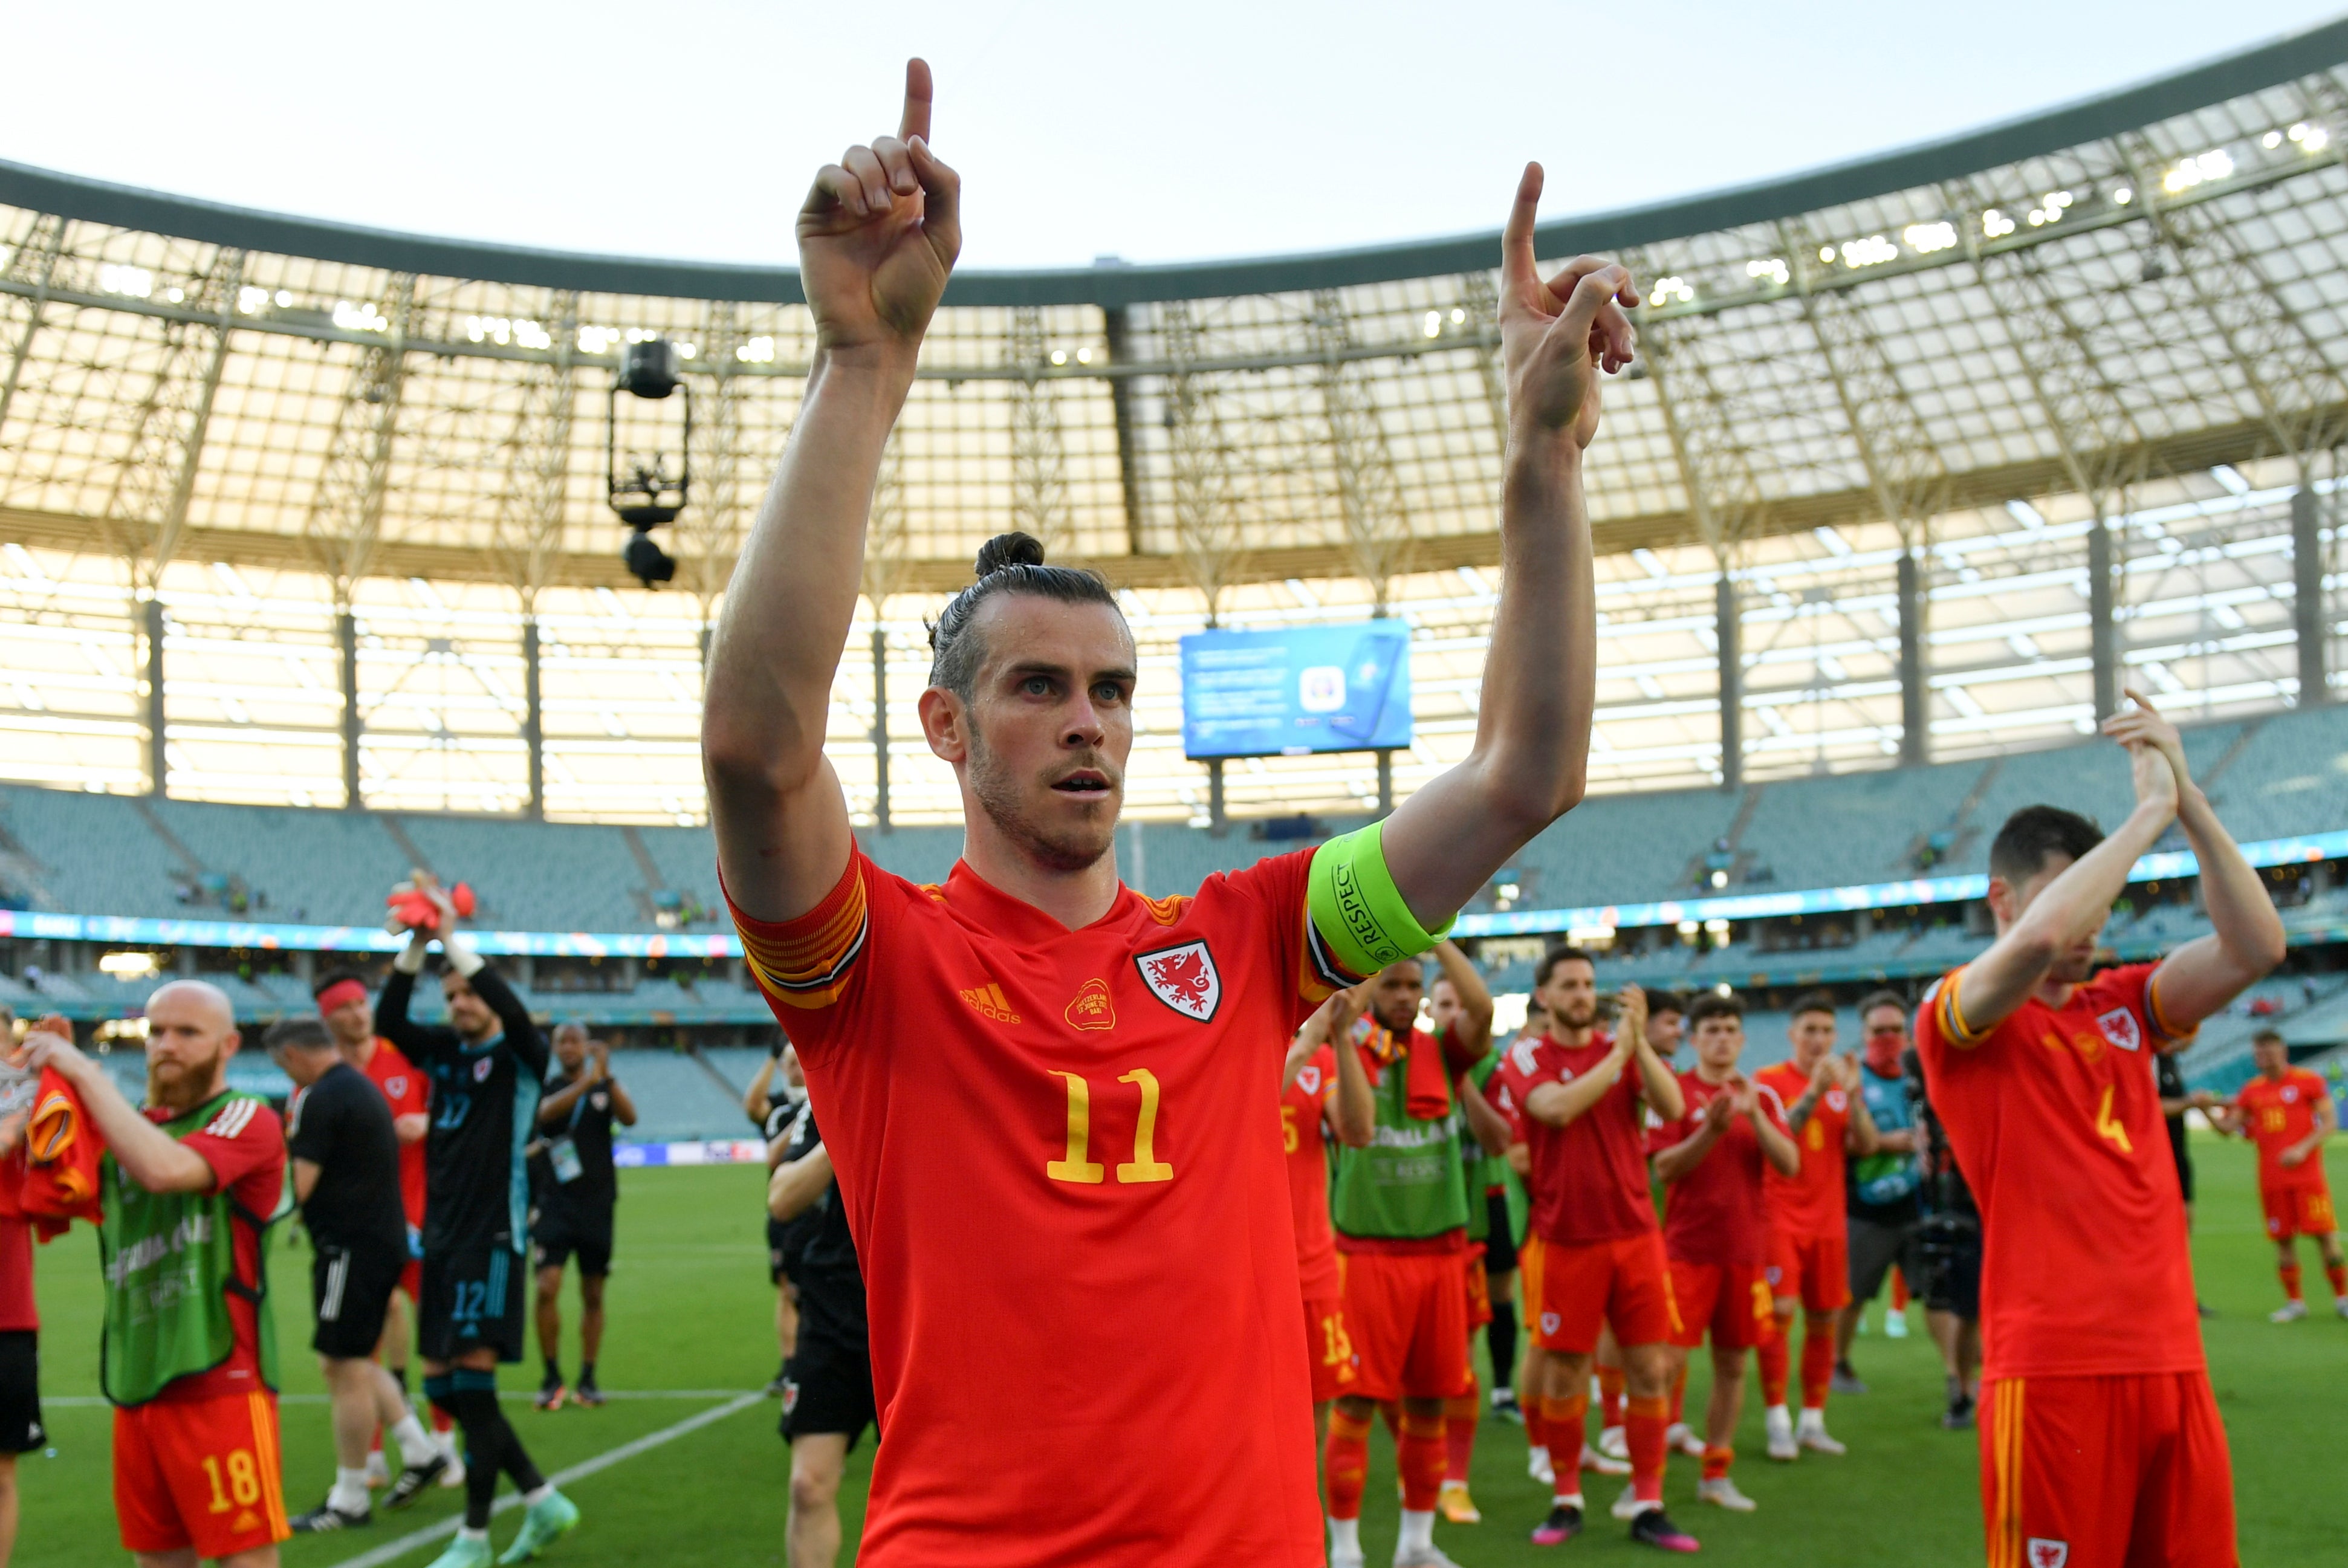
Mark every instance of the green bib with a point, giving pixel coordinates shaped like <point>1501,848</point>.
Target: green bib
<point>169,1260</point>
<point>1412,1180</point>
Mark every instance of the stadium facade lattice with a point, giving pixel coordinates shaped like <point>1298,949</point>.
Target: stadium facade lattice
<point>1929,454</point>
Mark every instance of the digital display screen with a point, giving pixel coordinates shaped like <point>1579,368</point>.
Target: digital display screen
<point>1296,691</point>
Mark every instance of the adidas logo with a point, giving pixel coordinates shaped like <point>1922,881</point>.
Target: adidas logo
<point>988,1002</point>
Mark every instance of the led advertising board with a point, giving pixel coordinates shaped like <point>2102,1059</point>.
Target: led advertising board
<point>1297,690</point>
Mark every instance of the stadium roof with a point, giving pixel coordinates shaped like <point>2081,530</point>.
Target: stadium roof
<point>1964,353</point>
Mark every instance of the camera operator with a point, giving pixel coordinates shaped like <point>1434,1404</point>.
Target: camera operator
<point>1948,1251</point>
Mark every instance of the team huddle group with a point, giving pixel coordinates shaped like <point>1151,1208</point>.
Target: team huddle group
<point>426,1161</point>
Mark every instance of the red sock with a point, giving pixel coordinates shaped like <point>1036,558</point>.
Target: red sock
<point>1567,1422</point>
<point>1817,1367</point>
<point>2338,1274</point>
<point>1775,1355</point>
<point>443,1423</point>
<point>1459,1418</point>
<point>1679,1396</point>
<point>1717,1457</point>
<point>1610,1397</point>
<point>1418,1454</point>
<point>1647,1420</point>
<point>2290,1273</point>
<point>1346,1464</point>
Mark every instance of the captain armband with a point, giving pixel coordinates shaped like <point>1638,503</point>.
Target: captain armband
<point>1356,908</point>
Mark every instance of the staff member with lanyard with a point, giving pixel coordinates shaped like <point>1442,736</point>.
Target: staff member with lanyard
<point>1882,1204</point>
<point>574,1206</point>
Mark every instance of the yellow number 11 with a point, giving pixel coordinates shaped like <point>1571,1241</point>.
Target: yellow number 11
<point>1078,1164</point>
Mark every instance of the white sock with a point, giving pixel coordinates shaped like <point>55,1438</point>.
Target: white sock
<point>1538,1451</point>
<point>1777,1416</point>
<point>1569,1500</point>
<point>1813,1421</point>
<point>1345,1537</point>
<point>538,1494</point>
<point>416,1445</point>
<point>466,1534</point>
<point>1418,1530</point>
<point>350,1494</point>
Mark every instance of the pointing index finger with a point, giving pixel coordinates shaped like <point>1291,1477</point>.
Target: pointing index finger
<point>1516,242</point>
<point>916,119</point>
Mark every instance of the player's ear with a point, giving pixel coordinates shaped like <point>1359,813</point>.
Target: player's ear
<point>945,724</point>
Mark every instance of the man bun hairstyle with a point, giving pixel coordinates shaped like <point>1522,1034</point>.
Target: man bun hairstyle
<point>2034,834</point>
<point>297,1034</point>
<point>1814,1002</point>
<point>1713,1004</point>
<point>1007,563</point>
<point>1561,953</point>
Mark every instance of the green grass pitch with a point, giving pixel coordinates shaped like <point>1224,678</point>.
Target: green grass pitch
<point>690,1312</point>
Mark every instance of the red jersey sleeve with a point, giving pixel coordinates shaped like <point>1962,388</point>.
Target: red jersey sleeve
<point>1277,884</point>
<point>245,1147</point>
<point>808,963</point>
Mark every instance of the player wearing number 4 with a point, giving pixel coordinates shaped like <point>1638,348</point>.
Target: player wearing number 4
<point>190,1187</point>
<point>2101,1443</point>
<point>1044,1093</point>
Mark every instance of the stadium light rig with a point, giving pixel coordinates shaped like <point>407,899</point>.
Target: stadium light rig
<point>639,486</point>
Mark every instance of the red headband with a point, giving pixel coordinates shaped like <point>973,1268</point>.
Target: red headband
<point>338,994</point>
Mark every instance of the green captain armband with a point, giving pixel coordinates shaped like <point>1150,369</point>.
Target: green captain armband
<point>1357,909</point>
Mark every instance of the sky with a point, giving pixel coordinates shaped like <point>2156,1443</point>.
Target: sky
<point>1167,132</point>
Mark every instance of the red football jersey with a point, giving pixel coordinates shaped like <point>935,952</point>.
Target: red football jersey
<point>1072,1210</point>
<point>1589,1180</point>
<point>1716,1212</point>
<point>2054,1116</point>
<point>1810,1202</point>
<point>409,1091</point>
<point>1301,1109</point>
<point>2278,1114</point>
<point>17,1310</point>
<point>245,1147</point>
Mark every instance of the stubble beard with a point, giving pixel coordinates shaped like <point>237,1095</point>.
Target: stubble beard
<point>181,1087</point>
<point>1575,1016</point>
<point>1073,849</point>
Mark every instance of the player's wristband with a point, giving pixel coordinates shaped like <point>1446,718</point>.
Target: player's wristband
<point>460,955</point>
<point>1357,909</point>
<point>409,960</point>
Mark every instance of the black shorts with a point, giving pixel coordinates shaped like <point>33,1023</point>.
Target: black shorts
<point>1952,1268</point>
<point>1874,1246</point>
<point>20,1392</point>
<point>472,1300</point>
<point>562,1233</point>
<point>779,1242</point>
<point>828,1381</point>
<point>350,1291</point>
<point>1499,1242</point>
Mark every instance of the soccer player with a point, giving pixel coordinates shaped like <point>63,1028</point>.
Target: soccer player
<point>346,1165</point>
<point>1667,1013</point>
<point>1716,1223</point>
<point>2102,1443</point>
<point>582,1100</point>
<point>1322,1086</point>
<point>827,1386</point>
<point>486,1063</point>
<point>2287,1112</point>
<point>1078,1224</point>
<point>1809,1265</point>
<point>772,1102</point>
<point>21,1431</point>
<point>1593,1253</point>
<point>1505,1200</point>
<point>1881,1211</point>
<point>349,1013</point>
<point>191,1186</point>
<point>1400,1206</point>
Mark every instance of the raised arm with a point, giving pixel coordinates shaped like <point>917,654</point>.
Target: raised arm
<point>1530,758</point>
<point>878,236</point>
<point>755,1101</point>
<point>1489,1127</point>
<point>1658,1085</point>
<point>2070,906</point>
<point>1468,1043</point>
<point>2246,937</point>
<point>150,1156</point>
<point>415,1042</point>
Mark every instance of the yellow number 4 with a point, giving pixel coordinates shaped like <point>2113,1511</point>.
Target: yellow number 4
<point>1078,1164</point>
<point>2109,1130</point>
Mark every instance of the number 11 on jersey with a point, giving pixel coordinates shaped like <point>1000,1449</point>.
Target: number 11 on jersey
<point>1077,1165</point>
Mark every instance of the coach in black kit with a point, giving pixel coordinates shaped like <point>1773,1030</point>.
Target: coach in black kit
<point>828,1381</point>
<point>576,1194</point>
<point>486,1064</point>
<point>344,1158</point>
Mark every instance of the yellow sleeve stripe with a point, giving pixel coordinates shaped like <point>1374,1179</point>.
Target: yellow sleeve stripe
<point>2166,1033</point>
<point>1951,1018</point>
<point>806,962</point>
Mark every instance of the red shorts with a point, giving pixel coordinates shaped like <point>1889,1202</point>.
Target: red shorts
<point>1731,1301</point>
<point>411,1280</point>
<point>1407,1313</point>
<point>2298,1211</point>
<point>203,1474</point>
<point>1480,1289</point>
<point>1815,1268</point>
<point>1329,1350</point>
<point>1570,1291</point>
<point>2105,1472</point>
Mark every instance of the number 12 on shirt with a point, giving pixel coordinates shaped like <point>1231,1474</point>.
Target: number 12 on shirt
<point>1078,1164</point>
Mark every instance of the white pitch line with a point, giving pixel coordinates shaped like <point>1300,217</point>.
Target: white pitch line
<point>392,1551</point>
<point>94,1401</point>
